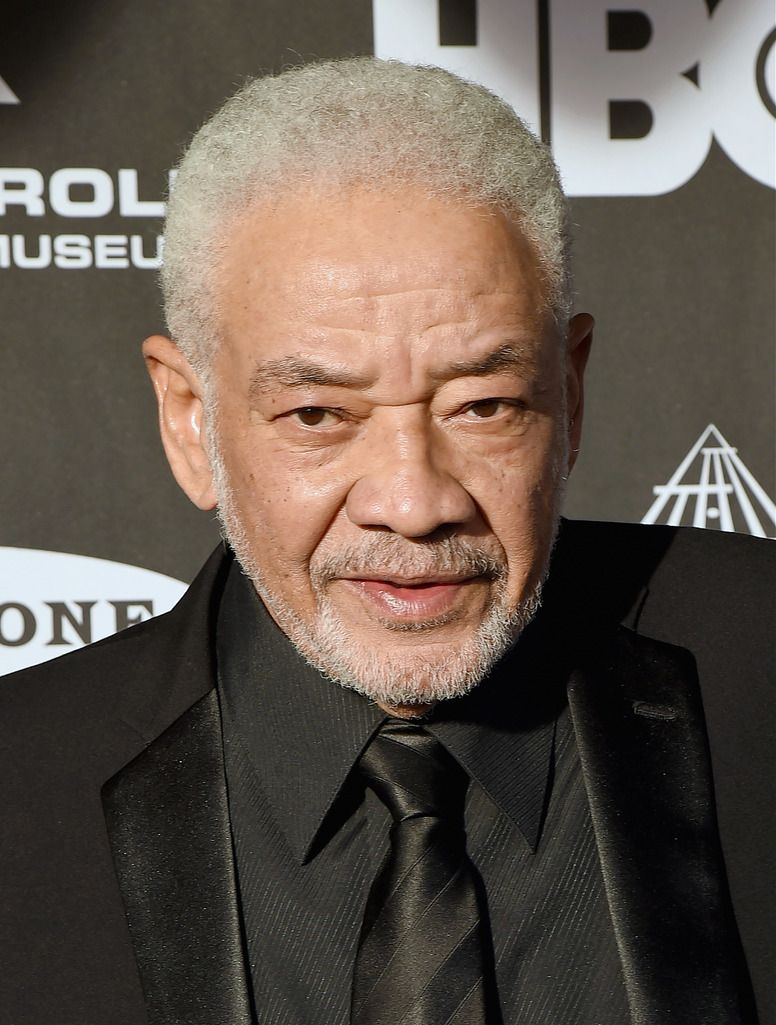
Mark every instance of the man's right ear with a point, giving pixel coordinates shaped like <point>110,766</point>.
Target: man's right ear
<point>179,394</point>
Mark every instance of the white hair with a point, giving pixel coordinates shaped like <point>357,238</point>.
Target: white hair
<point>361,120</point>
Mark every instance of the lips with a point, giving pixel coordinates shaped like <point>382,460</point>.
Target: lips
<point>413,600</point>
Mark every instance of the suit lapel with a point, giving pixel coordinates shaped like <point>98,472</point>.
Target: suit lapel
<point>642,743</point>
<point>168,825</point>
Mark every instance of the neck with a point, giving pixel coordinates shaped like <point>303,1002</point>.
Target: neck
<point>406,711</point>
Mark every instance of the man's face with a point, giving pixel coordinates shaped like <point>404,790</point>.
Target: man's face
<point>390,432</point>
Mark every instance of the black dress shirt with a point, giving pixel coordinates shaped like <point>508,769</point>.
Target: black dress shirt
<point>309,839</point>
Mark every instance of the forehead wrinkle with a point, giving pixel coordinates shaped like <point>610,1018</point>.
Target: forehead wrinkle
<point>364,301</point>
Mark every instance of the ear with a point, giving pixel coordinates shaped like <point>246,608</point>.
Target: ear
<point>179,394</point>
<point>578,342</point>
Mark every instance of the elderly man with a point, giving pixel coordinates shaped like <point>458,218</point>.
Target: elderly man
<point>357,777</point>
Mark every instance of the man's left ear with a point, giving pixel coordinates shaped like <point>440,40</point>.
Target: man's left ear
<point>179,395</point>
<point>578,342</point>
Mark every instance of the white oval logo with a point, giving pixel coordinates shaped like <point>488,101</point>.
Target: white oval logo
<point>53,602</point>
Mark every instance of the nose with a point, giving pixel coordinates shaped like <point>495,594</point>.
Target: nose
<point>406,487</point>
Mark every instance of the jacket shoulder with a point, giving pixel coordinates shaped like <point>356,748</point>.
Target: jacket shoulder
<point>712,594</point>
<point>121,684</point>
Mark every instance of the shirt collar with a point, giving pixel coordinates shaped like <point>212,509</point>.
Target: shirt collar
<point>503,734</point>
<point>304,734</point>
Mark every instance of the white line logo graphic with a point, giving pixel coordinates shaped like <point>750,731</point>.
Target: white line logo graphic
<point>725,494</point>
<point>7,95</point>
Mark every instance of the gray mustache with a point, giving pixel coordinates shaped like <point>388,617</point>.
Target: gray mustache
<point>384,556</point>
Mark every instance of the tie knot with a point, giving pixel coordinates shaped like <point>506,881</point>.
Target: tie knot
<point>413,774</point>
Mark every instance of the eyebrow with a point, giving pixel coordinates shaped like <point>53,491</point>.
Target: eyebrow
<point>299,371</point>
<point>507,357</point>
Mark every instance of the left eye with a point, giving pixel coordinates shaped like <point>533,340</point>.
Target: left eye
<point>316,416</point>
<point>485,409</point>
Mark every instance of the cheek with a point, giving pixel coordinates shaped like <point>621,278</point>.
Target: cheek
<point>288,512</point>
<point>518,484</point>
<point>518,500</point>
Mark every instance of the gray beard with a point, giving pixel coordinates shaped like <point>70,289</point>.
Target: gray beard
<point>412,673</point>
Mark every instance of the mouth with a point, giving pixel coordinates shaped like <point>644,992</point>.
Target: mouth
<point>414,599</point>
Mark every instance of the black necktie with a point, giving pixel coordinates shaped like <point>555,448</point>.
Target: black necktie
<point>425,955</point>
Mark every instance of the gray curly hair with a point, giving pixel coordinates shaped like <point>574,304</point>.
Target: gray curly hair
<point>338,122</point>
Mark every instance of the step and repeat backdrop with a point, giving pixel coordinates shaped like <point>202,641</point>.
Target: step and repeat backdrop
<point>661,114</point>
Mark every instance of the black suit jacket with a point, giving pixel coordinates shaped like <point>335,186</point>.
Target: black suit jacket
<point>117,895</point>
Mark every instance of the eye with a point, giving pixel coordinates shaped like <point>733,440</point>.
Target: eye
<point>485,408</point>
<point>316,416</point>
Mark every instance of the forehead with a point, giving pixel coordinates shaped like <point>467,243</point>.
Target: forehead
<point>390,266</point>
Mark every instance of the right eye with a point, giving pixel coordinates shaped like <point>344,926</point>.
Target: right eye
<point>316,416</point>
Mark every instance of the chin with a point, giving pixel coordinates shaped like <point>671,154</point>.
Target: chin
<point>400,674</point>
